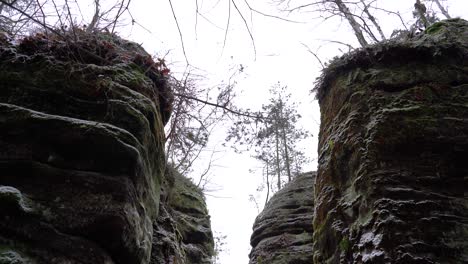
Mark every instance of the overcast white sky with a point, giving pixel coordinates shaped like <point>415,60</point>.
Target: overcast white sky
<point>280,57</point>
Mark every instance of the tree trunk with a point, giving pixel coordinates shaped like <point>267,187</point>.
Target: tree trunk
<point>373,20</point>
<point>354,24</point>
<point>277,157</point>
<point>421,12</point>
<point>286,154</point>
<point>95,20</point>
<point>267,184</point>
<point>285,142</point>
<point>442,9</point>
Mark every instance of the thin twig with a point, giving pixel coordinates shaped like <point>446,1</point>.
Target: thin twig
<point>18,29</point>
<point>338,42</point>
<point>227,27</point>
<point>62,26</point>
<point>71,20</point>
<point>247,27</point>
<point>119,13</point>
<point>392,12</point>
<point>180,32</point>
<point>32,18</point>
<point>315,55</point>
<point>196,18</point>
<point>43,14</point>
<point>268,15</point>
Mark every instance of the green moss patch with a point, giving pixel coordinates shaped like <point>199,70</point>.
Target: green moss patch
<point>86,63</point>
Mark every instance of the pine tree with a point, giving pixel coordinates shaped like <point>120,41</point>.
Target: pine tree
<point>275,137</point>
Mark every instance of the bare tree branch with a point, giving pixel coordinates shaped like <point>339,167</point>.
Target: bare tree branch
<point>268,15</point>
<point>227,26</point>
<point>393,13</point>
<point>196,18</point>
<point>232,111</point>
<point>71,19</point>
<point>442,9</point>
<point>314,54</point>
<point>35,20</point>
<point>180,32</point>
<point>119,13</point>
<point>372,19</point>
<point>247,27</point>
<point>95,19</point>
<point>62,25</point>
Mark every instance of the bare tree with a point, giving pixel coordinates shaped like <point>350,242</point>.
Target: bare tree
<point>361,16</point>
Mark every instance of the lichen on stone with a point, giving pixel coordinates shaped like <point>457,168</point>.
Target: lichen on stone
<point>389,190</point>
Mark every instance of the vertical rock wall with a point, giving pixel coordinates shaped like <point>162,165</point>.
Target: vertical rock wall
<point>182,232</point>
<point>81,140</point>
<point>393,148</point>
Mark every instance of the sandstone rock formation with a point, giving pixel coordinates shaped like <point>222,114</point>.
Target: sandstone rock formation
<point>183,230</point>
<point>81,160</point>
<point>282,233</point>
<point>393,148</point>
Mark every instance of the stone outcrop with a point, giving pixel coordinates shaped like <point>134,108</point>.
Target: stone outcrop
<point>182,232</point>
<point>81,160</point>
<point>391,184</point>
<point>282,233</point>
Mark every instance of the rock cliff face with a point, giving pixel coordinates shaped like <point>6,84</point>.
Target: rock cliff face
<point>182,231</point>
<point>81,160</point>
<point>282,233</point>
<point>391,184</point>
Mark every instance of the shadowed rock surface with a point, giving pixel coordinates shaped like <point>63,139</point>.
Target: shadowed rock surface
<point>182,233</point>
<point>282,233</point>
<point>81,160</point>
<point>391,184</point>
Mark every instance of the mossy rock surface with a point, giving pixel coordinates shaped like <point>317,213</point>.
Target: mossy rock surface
<point>82,138</point>
<point>183,230</point>
<point>393,139</point>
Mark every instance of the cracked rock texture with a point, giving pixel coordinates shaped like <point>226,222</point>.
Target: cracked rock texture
<point>81,160</point>
<point>282,233</point>
<point>393,148</point>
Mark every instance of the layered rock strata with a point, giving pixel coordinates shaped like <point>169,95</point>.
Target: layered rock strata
<point>81,139</point>
<point>391,184</point>
<point>282,232</point>
<point>182,232</point>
